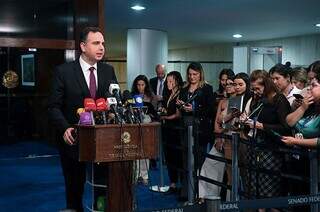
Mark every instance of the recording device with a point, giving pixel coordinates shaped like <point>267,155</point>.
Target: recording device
<point>297,96</point>
<point>189,100</point>
<point>114,89</point>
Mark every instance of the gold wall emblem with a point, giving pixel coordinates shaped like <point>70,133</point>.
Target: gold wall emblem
<point>10,79</point>
<point>126,137</point>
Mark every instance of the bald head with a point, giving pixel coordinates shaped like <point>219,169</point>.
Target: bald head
<point>160,71</point>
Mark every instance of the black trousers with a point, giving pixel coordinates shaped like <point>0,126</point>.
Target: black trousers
<point>74,173</point>
<point>173,152</point>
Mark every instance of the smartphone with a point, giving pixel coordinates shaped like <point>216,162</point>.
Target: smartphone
<point>276,133</point>
<point>297,96</point>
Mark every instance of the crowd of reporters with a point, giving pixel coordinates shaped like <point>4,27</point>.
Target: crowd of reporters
<point>278,108</point>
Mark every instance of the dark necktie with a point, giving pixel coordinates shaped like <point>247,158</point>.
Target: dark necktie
<point>92,84</point>
<point>161,87</point>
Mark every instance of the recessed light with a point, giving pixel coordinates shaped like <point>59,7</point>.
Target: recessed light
<point>317,25</point>
<point>138,7</point>
<point>237,36</point>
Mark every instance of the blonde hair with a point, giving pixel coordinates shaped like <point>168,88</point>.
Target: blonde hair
<point>198,68</point>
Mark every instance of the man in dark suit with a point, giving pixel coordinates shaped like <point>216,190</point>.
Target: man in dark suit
<point>159,88</point>
<point>72,82</point>
<point>157,83</point>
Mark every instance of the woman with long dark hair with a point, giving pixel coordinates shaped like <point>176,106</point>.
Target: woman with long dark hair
<point>268,121</point>
<point>211,168</point>
<point>281,76</point>
<point>170,132</point>
<point>142,87</point>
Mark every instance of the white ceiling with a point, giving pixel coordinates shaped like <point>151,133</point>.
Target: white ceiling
<point>205,22</point>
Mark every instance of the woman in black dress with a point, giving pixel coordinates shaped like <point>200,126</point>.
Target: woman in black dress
<point>142,87</point>
<point>171,135</point>
<point>270,123</point>
<point>196,101</point>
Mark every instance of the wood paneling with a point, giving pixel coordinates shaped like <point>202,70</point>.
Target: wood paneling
<point>36,43</point>
<point>86,13</point>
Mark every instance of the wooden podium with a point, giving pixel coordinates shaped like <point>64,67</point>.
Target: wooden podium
<point>118,146</point>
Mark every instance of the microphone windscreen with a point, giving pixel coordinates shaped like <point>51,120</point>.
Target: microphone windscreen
<point>111,116</point>
<point>113,87</point>
<point>89,104</point>
<point>126,95</point>
<point>85,118</point>
<point>101,104</point>
<point>138,100</point>
<point>80,110</point>
<point>111,101</point>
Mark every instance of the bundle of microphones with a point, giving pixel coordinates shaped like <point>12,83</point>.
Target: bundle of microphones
<point>114,109</point>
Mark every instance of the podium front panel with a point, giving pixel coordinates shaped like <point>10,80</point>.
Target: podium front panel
<point>107,143</point>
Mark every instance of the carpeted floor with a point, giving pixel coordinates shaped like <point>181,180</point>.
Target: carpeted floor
<point>31,180</point>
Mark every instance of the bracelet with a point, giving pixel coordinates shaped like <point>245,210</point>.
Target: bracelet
<point>318,143</point>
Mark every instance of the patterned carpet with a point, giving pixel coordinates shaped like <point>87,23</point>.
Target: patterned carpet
<point>31,180</point>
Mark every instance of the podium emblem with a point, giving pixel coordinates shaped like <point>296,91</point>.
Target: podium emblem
<point>126,137</point>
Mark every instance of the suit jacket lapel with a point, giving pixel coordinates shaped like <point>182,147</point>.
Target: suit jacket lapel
<point>101,81</point>
<point>81,80</point>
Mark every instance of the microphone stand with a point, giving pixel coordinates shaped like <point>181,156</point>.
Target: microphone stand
<point>160,188</point>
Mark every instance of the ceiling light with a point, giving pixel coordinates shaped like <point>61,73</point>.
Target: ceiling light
<point>9,29</point>
<point>138,7</point>
<point>317,25</point>
<point>237,36</point>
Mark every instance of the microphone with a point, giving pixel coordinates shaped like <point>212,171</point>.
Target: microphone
<point>138,104</point>
<point>90,106</point>
<point>127,98</point>
<point>84,117</point>
<point>114,89</point>
<point>112,102</point>
<point>127,102</point>
<point>138,100</point>
<point>80,110</point>
<point>102,107</point>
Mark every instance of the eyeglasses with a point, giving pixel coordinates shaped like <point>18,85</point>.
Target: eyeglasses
<point>314,83</point>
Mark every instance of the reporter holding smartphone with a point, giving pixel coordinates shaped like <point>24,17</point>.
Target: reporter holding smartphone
<point>196,101</point>
<point>281,76</point>
<point>200,108</point>
<point>213,169</point>
<point>306,122</point>
<point>306,119</point>
<point>270,117</point>
<point>170,116</point>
